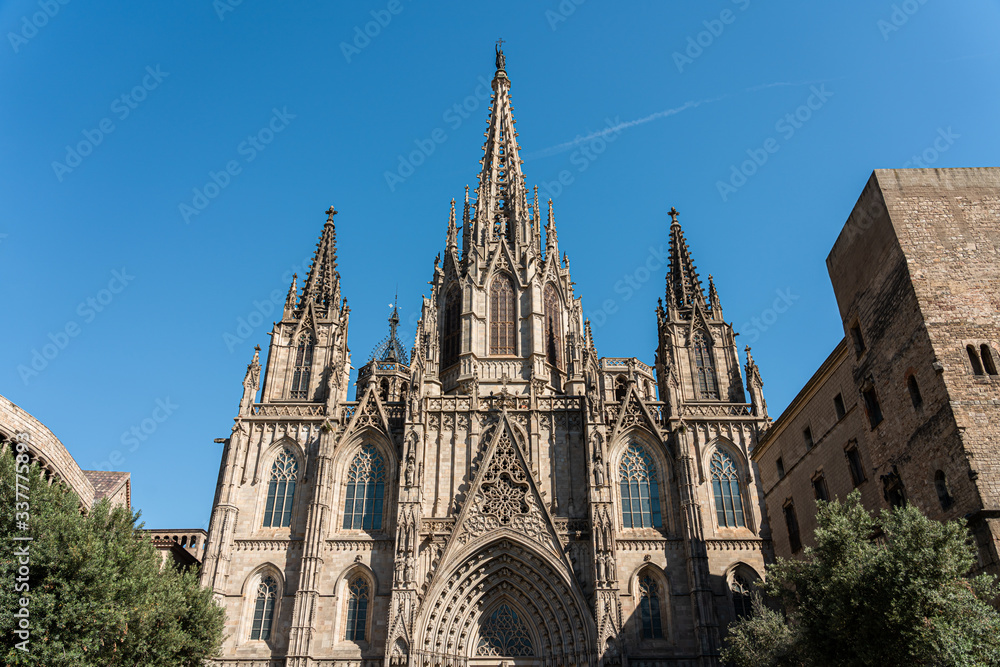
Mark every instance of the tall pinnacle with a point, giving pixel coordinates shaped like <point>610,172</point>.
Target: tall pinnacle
<point>323,282</point>
<point>683,285</point>
<point>501,196</point>
<point>452,241</point>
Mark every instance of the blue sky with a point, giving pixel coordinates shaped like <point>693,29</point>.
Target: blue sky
<point>691,90</point>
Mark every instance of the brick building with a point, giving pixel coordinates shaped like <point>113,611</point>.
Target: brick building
<point>907,407</point>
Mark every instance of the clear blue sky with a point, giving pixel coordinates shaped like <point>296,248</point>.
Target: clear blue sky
<point>894,77</point>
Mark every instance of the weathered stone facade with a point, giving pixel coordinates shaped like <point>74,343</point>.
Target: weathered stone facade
<point>499,527</point>
<point>917,279</point>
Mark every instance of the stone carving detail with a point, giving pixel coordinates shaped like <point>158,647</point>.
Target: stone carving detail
<point>504,498</point>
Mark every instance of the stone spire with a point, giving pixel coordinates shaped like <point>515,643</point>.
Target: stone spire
<point>551,238</point>
<point>683,285</point>
<point>713,299</point>
<point>293,294</point>
<point>452,242</point>
<point>323,283</point>
<point>466,226</point>
<point>501,197</point>
<point>251,382</point>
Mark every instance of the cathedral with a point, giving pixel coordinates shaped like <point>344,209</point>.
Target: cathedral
<point>500,494</point>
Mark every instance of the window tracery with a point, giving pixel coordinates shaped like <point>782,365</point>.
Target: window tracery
<point>502,316</point>
<point>649,608</point>
<point>281,490</point>
<point>365,490</point>
<point>639,489</point>
<point>726,488</point>
<point>263,613</point>
<point>503,634</point>
<point>357,608</point>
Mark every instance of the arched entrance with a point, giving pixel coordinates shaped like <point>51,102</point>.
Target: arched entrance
<point>504,603</point>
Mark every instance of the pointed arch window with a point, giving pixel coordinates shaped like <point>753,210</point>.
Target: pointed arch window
<point>502,316</point>
<point>553,326</point>
<point>639,489</point>
<point>704,361</point>
<point>281,490</point>
<point>365,490</point>
<point>740,589</point>
<point>649,608</point>
<point>358,595</point>
<point>451,332</point>
<point>503,634</point>
<point>302,372</point>
<point>726,488</point>
<point>263,611</point>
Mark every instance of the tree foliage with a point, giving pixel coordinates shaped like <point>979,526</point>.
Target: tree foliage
<point>98,595</point>
<point>886,590</point>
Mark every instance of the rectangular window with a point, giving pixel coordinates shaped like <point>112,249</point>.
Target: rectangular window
<point>872,406</point>
<point>854,462</point>
<point>807,435</point>
<point>792,523</point>
<point>859,342</point>
<point>838,406</point>
<point>781,468</point>
<point>819,487</point>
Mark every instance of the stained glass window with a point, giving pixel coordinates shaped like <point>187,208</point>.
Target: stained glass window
<point>502,324</point>
<point>365,490</point>
<point>357,608</point>
<point>649,608</point>
<point>726,487</point>
<point>263,612</point>
<point>640,491</point>
<point>303,368</point>
<point>553,327</point>
<point>503,634</point>
<point>281,491</point>
<point>708,385</point>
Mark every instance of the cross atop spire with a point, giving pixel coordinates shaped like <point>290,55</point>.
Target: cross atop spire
<point>330,212</point>
<point>673,213</point>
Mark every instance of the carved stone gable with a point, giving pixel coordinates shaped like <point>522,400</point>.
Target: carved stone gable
<point>505,496</point>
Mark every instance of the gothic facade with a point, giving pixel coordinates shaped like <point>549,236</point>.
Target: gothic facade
<point>499,494</point>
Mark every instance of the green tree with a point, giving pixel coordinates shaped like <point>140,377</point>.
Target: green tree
<point>887,590</point>
<point>98,594</point>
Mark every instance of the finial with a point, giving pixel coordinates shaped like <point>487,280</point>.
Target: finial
<point>673,213</point>
<point>501,61</point>
<point>330,212</point>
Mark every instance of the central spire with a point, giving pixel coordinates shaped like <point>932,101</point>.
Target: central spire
<point>683,285</point>
<point>501,198</point>
<point>323,282</point>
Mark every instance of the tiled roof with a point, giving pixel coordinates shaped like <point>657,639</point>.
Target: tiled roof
<point>105,482</point>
